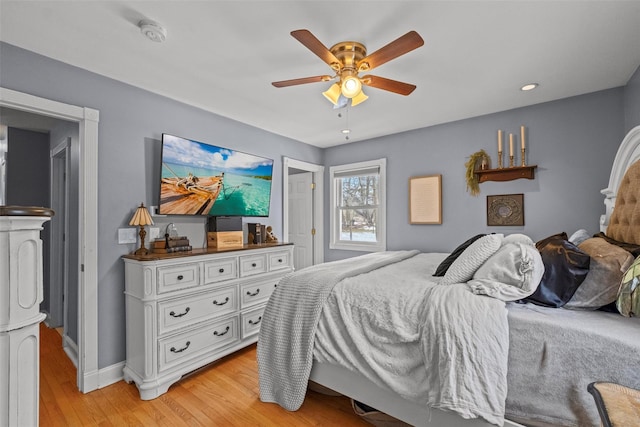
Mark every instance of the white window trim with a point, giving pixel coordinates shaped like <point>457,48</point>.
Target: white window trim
<point>381,225</point>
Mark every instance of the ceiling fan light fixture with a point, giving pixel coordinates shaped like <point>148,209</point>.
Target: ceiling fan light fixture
<point>351,86</point>
<point>361,97</point>
<point>333,93</point>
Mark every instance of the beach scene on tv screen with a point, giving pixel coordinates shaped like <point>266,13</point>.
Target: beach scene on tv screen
<point>203,179</point>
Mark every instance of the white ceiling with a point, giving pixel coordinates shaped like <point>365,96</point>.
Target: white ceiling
<point>222,56</point>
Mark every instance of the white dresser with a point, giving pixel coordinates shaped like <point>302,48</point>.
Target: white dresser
<point>185,310</point>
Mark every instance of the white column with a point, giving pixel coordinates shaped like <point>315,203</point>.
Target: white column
<point>20,298</point>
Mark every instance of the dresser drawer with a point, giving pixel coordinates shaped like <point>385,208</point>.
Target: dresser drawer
<point>257,292</point>
<point>180,276</point>
<point>252,264</point>
<point>196,342</point>
<point>184,312</point>
<point>251,321</point>
<point>220,270</point>
<point>279,260</point>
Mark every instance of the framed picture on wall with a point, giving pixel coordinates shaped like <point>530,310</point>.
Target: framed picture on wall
<point>505,209</point>
<point>425,199</point>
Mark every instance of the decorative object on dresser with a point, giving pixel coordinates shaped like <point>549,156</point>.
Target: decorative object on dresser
<point>224,232</point>
<point>141,218</point>
<point>169,244</point>
<point>256,234</point>
<point>269,237</point>
<point>186,310</point>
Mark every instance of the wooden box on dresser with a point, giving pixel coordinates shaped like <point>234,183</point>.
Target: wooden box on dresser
<point>185,310</point>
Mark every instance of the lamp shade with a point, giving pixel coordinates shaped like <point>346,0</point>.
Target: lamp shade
<point>351,86</point>
<point>361,97</point>
<point>141,216</point>
<point>333,93</point>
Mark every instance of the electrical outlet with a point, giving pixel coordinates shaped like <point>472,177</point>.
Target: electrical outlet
<point>154,232</point>
<point>127,235</point>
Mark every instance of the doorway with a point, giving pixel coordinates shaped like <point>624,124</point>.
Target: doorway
<point>303,210</point>
<point>87,236</point>
<point>59,277</point>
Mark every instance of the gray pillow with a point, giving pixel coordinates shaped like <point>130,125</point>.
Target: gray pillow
<point>579,237</point>
<point>471,259</point>
<point>512,273</point>
<point>600,287</point>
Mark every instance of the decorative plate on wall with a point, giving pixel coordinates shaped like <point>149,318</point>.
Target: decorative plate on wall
<point>505,209</point>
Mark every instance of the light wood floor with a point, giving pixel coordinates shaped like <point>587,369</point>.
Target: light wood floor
<point>225,394</point>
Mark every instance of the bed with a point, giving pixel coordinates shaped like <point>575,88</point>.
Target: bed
<point>475,352</point>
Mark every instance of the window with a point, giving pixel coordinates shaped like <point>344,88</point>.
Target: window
<point>358,207</point>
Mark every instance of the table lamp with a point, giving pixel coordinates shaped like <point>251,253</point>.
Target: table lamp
<point>141,217</point>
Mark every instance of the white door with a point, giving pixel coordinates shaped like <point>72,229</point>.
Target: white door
<point>300,195</point>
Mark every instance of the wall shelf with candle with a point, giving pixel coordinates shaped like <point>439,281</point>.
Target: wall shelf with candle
<point>506,174</point>
<point>511,172</point>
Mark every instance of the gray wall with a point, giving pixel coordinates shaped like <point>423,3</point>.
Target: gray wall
<point>632,102</point>
<point>573,141</point>
<point>131,124</point>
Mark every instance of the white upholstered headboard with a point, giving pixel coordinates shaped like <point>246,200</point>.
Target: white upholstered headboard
<point>628,153</point>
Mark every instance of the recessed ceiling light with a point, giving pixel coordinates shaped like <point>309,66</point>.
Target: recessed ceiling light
<point>345,131</point>
<point>530,86</point>
<point>152,30</point>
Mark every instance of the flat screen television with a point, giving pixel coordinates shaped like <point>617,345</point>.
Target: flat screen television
<point>203,179</point>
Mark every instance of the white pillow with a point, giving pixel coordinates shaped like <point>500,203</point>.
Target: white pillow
<point>512,273</point>
<point>518,238</point>
<point>471,259</point>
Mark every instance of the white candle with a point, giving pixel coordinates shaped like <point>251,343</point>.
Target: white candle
<point>500,140</point>
<point>510,144</point>
<point>522,136</point>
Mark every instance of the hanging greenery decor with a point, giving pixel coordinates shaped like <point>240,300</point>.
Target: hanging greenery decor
<point>474,163</point>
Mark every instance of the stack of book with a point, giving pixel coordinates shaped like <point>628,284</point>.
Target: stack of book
<point>171,244</point>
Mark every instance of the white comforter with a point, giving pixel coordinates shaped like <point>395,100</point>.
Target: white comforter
<point>440,346</point>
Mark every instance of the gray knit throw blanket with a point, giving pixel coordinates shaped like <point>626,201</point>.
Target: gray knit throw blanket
<point>287,333</point>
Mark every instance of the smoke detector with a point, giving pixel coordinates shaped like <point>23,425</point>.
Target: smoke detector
<point>152,30</point>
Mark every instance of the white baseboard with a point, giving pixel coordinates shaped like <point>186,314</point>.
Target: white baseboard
<point>71,348</point>
<point>97,379</point>
<point>110,375</point>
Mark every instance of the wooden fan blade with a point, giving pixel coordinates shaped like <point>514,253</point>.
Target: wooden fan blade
<point>388,84</point>
<point>302,81</point>
<point>314,45</point>
<point>396,48</point>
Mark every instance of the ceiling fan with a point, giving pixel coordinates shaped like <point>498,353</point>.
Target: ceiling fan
<point>348,59</point>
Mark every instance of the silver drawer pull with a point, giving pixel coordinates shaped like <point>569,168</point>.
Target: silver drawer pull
<point>173,313</point>
<point>219,334</point>
<point>173,349</point>
<point>226,300</point>
<point>251,322</point>
<point>180,277</point>
<point>253,294</point>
